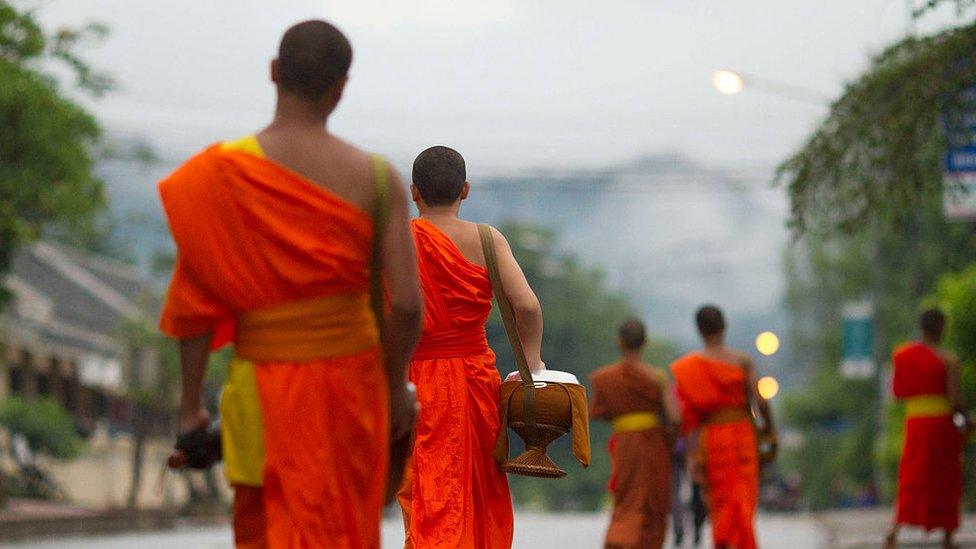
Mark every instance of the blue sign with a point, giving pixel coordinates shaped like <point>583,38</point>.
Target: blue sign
<point>959,181</point>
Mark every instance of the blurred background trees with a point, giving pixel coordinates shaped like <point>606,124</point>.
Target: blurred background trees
<point>866,197</point>
<point>48,143</point>
<point>582,314</point>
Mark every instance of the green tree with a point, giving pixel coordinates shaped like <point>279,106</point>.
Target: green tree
<point>45,424</point>
<point>48,143</point>
<point>581,318</point>
<point>866,207</point>
<point>956,295</point>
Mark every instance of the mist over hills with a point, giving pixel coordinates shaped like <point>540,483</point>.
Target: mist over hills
<point>668,232</point>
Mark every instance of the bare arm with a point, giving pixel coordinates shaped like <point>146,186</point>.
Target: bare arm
<point>752,392</point>
<point>670,402</point>
<point>194,353</point>
<point>525,304</point>
<point>403,325</point>
<point>952,383</point>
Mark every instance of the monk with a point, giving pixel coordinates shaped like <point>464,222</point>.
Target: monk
<point>274,235</point>
<point>455,496</point>
<point>716,389</point>
<point>926,378</point>
<point>637,400</point>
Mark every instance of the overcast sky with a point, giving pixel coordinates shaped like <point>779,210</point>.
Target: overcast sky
<point>510,83</point>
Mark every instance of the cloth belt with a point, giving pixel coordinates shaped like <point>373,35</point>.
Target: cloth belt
<point>732,414</point>
<point>451,344</point>
<point>635,421</point>
<point>308,330</point>
<point>927,406</point>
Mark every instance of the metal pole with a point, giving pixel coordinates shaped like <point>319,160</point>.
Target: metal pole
<point>787,91</point>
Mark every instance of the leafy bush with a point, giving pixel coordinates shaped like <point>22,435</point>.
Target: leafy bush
<point>47,426</point>
<point>956,295</point>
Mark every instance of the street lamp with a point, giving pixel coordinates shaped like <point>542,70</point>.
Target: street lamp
<point>729,82</point>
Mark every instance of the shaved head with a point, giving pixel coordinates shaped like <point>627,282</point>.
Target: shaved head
<point>710,321</point>
<point>313,57</point>
<point>632,334</point>
<point>932,322</point>
<point>439,175</point>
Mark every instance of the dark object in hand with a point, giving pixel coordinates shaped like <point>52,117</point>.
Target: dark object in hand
<point>197,449</point>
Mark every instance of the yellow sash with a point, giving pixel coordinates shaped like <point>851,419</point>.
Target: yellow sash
<point>635,421</point>
<point>927,406</point>
<point>312,329</point>
<point>300,331</point>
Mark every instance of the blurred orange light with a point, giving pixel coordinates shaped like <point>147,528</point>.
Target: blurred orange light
<point>767,343</point>
<point>768,387</point>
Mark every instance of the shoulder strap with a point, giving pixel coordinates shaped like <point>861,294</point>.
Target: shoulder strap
<point>381,214</point>
<point>508,317</point>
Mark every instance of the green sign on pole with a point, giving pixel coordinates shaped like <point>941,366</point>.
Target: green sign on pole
<point>858,358</point>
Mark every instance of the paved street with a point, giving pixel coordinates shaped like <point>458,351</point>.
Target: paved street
<point>563,531</point>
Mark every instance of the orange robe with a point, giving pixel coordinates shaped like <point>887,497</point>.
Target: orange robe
<point>454,496</point>
<point>707,389</point>
<point>930,472</point>
<point>279,265</point>
<point>640,454</point>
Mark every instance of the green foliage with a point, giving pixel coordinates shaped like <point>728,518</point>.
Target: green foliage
<point>47,142</point>
<point>47,426</point>
<point>956,295</point>
<point>837,435</point>
<point>962,6</point>
<point>866,201</point>
<point>878,152</point>
<point>581,319</point>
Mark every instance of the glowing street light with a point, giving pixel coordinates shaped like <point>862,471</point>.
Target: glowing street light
<point>728,82</point>
<point>767,343</point>
<point>768,387</point>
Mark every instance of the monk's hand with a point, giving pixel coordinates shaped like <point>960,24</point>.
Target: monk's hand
<point>189,422</point>
<point>403,411</point>
<point>193,420</point>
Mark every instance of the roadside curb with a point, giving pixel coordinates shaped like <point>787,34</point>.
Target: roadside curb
<point>96,523</point>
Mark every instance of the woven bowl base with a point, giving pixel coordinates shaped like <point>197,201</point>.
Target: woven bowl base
<point>533,463</point>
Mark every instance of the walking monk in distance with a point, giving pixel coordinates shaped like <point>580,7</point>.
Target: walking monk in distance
<point>274,236</point>
<point>455,496</point>
<point>637,400</point>
<point>926,378</point>
<point>716,389</point>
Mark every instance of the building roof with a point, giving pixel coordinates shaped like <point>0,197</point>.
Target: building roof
<point>68,299</point>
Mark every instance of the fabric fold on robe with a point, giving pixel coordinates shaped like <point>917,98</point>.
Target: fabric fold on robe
<point>930,470</point>
<point>454,495</point>
<point>729,450</point>
<point>640,458</point>
<point>253,237</point>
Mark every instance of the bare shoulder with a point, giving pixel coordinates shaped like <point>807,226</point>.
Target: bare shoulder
<point>601,372</point>
<point>949,357</point>
<point>655,374</point>
<point>498,236</point>
<point>352,157</point>
<point>742,358</point>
